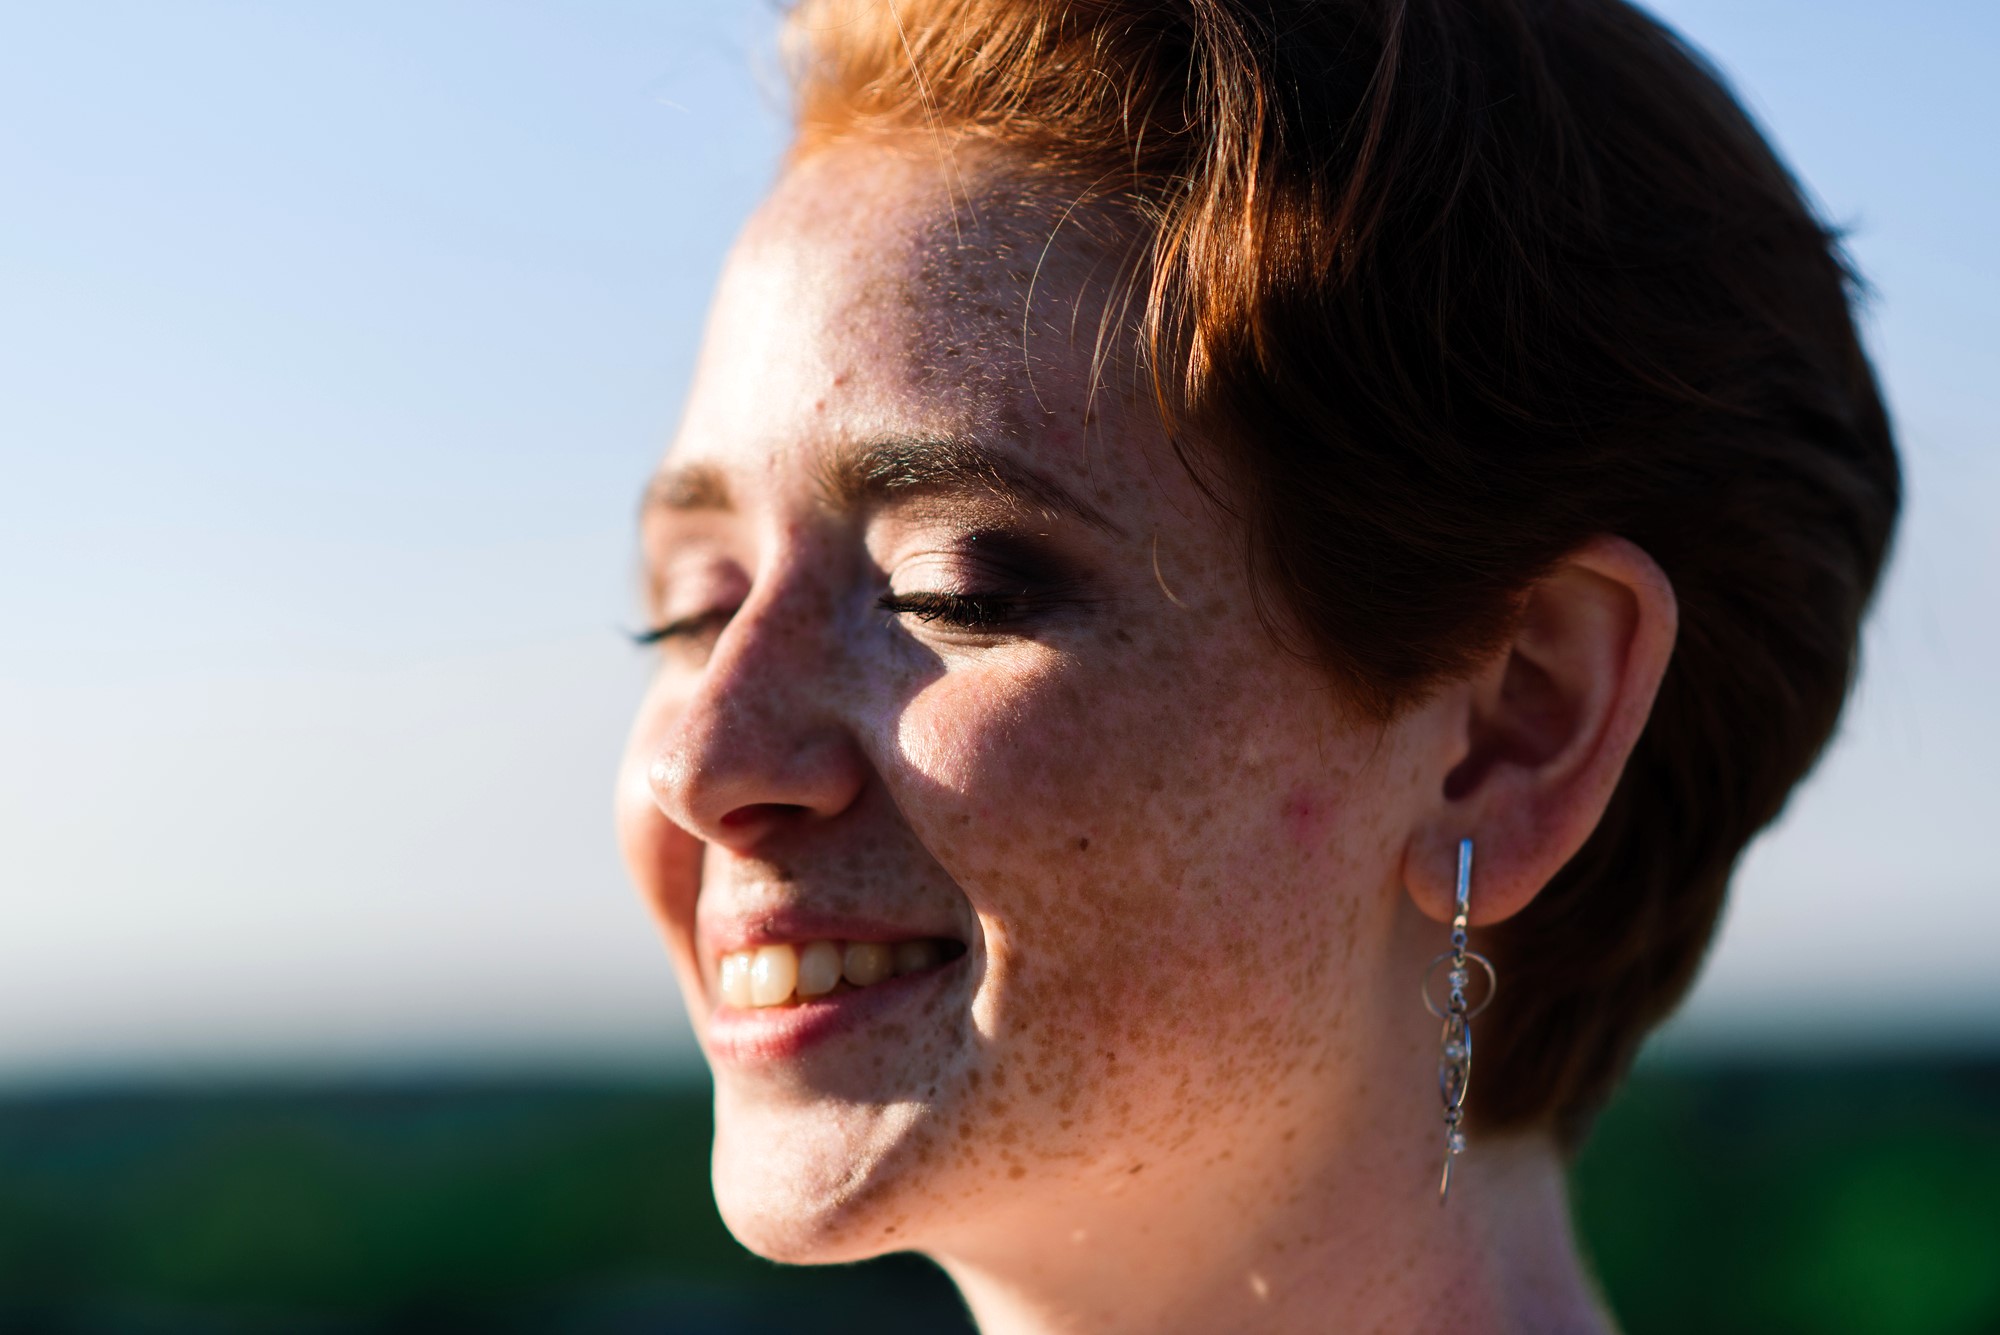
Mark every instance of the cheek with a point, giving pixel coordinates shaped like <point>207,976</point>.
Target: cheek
<point>663,860</point>
<point>1152,796</point>
<point>1307,817</point>
<point>1152,925</point>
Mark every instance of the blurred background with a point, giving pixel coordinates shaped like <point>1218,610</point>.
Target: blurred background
<point>336,340</point>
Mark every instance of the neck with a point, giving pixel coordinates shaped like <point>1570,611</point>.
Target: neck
<point>1364,1241</point>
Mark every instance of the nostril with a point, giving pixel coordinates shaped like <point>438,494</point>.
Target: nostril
<point>756,813</point>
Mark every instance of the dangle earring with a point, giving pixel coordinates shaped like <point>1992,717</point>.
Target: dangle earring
<point>1455,1043</point>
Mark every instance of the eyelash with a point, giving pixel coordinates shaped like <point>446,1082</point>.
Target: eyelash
<point>676,630</point>
<point>961,611</point>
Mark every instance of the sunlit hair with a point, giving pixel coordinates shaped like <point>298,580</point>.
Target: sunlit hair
<point>1435,291</point>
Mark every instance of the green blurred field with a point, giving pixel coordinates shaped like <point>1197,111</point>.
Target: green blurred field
<point>1823,1199</point>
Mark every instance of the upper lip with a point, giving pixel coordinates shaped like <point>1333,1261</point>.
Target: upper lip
<point>798,924</point>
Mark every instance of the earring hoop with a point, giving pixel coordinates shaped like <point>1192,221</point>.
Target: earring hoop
<point>1455,1042</point>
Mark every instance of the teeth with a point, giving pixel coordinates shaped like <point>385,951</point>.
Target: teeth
<point>916,956</point>
<point>819,969</point>
<point>773,971</point>
<point>867,962</point>
<point>773,975</point>
<point>736,978</point>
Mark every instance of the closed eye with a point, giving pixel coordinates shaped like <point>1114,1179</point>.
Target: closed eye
<point>964,611</point>
<point>682,628</point>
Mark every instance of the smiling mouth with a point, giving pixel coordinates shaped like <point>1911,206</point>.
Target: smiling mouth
<point>788,974</point>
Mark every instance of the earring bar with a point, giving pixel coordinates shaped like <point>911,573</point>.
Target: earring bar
<point>1455,1042</point>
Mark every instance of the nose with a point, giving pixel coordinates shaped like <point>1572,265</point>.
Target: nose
<point>761,745</point>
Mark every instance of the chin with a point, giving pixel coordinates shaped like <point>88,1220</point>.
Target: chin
<point>822,1182</point>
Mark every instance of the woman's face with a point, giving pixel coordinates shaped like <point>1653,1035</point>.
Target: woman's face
<point>959,658</point>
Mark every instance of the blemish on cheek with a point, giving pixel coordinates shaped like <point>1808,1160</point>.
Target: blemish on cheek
<point>1306,815</point>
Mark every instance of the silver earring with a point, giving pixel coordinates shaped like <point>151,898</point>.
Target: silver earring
<point>1455,1044</point>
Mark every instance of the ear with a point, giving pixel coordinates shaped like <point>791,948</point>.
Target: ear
<point>1531,745</point>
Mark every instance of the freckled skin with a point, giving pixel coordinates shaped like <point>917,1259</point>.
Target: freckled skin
<point>1174,860</point>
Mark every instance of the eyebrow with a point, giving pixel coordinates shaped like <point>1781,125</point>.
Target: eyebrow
<point>892,467</point>
<point>882,470</point>
<point>688,487</point>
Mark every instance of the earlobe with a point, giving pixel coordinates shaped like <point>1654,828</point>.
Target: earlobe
<point>1543,730</point>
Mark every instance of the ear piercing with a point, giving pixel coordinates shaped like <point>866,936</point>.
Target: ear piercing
<point>1455,1043</point>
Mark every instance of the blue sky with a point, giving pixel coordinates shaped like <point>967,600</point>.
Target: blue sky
<point>335,342</point>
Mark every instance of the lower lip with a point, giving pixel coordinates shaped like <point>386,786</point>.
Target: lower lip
<point>776,1033</point>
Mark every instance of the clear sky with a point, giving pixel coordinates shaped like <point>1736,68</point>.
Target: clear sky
<point>336,340</point>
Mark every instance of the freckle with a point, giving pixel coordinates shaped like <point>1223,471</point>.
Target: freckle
<point>1018,1171</point>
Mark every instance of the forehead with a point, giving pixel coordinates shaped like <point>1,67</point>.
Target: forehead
<point>962,233</point>
<point>895,288</point>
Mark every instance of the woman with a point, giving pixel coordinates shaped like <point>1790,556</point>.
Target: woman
<point>1173,490</point>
